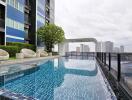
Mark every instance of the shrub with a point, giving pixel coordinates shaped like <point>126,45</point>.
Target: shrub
<point>22,45</point>
<point>12,50</point>
<point>55,53</point>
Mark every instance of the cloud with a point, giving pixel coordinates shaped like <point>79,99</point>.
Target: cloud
<point>102,19</point>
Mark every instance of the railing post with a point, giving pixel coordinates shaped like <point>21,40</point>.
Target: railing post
<point>105,58</point>
<point>102,57</point>
<point>119,67</point>
<point>109,61</point>
<point>97,55</point>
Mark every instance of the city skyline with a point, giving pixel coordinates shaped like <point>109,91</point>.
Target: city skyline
<point>108,46</point>
<point>106,20</point>
<point>102,46</point>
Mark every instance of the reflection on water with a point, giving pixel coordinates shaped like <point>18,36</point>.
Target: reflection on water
<point>62,79</point>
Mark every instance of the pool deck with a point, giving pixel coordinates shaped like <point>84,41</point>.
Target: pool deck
<point>18,61</point>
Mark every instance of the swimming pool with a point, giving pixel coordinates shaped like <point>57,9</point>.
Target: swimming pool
<point>62,79</point>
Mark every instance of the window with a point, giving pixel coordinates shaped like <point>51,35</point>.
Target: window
<point>14,24</point>
<point>41,19</point>
<point>16,4</point>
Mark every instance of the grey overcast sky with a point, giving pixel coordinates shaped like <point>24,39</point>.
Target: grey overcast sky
<point>103,19</point>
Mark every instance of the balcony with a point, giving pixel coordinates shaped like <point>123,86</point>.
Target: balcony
<point>27,6</point>
<point>48,3</point>
<point>2,25</point>
<point>27,24</point>
<point>47,14</point>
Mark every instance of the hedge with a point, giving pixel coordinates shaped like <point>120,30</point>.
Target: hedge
<point>55,53</point>
<point>12,50</point>
<point>22,45</point>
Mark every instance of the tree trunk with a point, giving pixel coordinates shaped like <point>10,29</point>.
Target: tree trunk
<point>49,48</point>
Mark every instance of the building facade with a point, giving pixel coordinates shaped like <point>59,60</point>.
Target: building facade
<point>122,49</point>
<point>116,49</point>
<point>99,47</point>
<point>2,21</point>
<point>84,48</point>
<point>66,47</point>
<point>20,19</point>
<point>108,46</point>
<point>77,49</point>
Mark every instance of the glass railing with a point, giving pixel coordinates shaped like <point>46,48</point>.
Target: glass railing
<point>80,55</point>
<point>119,65</point>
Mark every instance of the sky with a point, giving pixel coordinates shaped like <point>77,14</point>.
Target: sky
<point>105,20</point>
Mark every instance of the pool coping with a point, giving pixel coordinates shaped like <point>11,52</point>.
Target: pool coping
<point>8,62</point>
<point>113,96</point>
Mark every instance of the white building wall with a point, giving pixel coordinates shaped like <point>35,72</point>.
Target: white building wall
<point>61,49</point>
<point>109,46</point>
<point>66,47</point>
<point>122,49</point>
<point>98,47</point>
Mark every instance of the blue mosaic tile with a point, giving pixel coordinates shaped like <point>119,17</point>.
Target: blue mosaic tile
<point>60,79</point>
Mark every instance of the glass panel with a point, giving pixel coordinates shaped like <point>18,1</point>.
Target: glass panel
<point>114,64</point>
<point>126,71</point>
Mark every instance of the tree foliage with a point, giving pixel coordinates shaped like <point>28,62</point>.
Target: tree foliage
<point>50,34</point>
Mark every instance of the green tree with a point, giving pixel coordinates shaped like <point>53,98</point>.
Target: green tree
<point>51,34</point>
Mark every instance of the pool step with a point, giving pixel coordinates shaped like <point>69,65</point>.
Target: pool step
<point>13,76</point>
<point>7,95</point>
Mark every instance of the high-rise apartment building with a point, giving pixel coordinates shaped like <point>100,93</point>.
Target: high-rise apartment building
<point>78,49</point>
<point>20,19</point>
<point>108,46</point>
<point>66,47</point>
<point>122,49</point>
<point>98,47</point>
<point>116,49</point>
<point>84,48</point>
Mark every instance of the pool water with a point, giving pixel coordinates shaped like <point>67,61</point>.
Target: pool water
<point>62,79</point>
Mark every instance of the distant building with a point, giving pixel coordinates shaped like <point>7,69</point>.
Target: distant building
<point>108,46</point>
<point>99,47</point>
<point>84,48</point>
<point>122,49</point>
<point>81,47</point>
<point>66,47</point>
<point>77,49</point>
<point>116,49</point>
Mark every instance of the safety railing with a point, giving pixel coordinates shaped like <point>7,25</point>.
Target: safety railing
<point>119,65</point>
<point>80,55</point>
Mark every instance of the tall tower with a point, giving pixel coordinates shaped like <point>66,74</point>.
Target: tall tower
<point>20,19</point>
